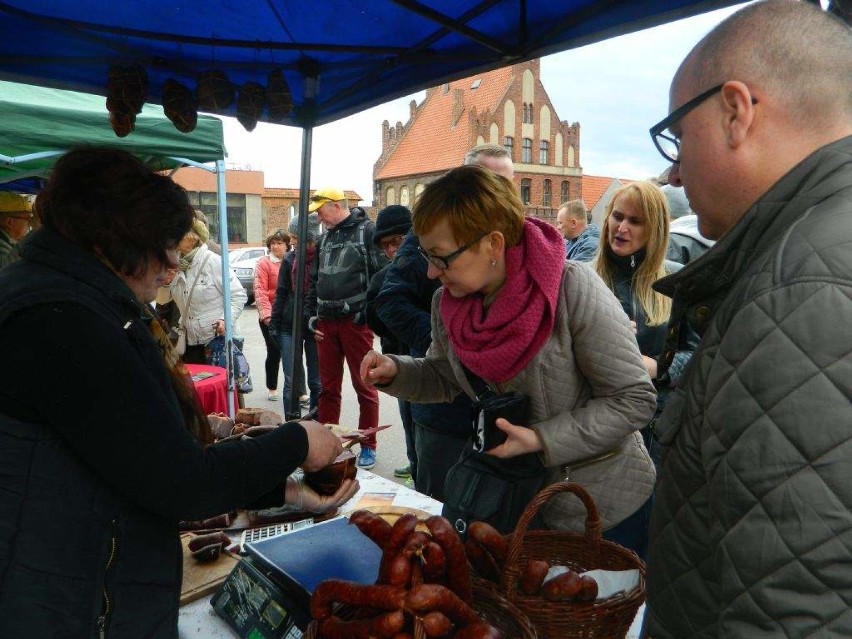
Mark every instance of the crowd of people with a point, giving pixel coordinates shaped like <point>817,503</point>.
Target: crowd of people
<point>686,362</point>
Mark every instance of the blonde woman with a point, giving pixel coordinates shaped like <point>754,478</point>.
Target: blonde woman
<point>632,256</point>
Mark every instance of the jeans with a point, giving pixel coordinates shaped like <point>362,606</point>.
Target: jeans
<point>436,454</point>
<point>273,357</point>
<point>310,350</point>
<point>632,533</point>
<point>344,340</point>
<point>408,428</point>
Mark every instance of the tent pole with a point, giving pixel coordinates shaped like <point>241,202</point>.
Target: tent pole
<point>226,279</point>
<point>294,409</point>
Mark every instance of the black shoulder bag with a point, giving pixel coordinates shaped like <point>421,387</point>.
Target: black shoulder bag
<point>480,487</point>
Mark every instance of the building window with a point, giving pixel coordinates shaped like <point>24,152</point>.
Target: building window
<point>530,116</point>
<point>545,193</point>
<point>404,198</point>
<point>526,156</point>
<point>390,196</point>
<point>542,152</point>
<point>235,204</point>
<point>509,145</point>
<point>563,197</point>
<point>528,113</point>
<point>526,187</point>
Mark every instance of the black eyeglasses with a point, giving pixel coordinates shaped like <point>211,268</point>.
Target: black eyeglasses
<point>443,261</point>
<point>669,145</point>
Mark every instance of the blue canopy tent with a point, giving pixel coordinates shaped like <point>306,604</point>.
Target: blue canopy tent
<point>337,57</point>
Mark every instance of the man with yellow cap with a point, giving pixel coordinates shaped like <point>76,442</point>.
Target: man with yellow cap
<point>15,221</point>
<point>337,295</point>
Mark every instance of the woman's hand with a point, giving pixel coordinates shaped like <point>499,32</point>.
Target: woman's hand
<point>323,446</point>
<point>519,440</point>
<point>219,327</point>
<point>297,493</point>
<point>378,369</point>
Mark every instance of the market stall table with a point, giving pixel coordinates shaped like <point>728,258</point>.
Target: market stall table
<point>211,385</point>
<point>197,620</point>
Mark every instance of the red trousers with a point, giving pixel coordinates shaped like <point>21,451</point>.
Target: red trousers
<point>343,339</point>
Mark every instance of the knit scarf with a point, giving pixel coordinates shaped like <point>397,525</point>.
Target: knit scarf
<point>310,253</point>
<point>497,345</point>
<point>185,261</point>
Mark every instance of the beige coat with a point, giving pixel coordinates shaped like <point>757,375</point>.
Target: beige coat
<point>589,395</point>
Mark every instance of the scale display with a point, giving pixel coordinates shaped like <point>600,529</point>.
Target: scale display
<point>258,608</point>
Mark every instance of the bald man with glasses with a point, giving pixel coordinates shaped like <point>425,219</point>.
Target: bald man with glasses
<point>752,523</point>
<point>15,222</point>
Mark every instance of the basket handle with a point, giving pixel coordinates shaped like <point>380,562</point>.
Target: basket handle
<point>592,534</point>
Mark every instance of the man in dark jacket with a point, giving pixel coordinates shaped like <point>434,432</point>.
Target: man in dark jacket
<point>752,522</point>
<point>346,260</point>
<point>581,238</point>
<point>392,223</point>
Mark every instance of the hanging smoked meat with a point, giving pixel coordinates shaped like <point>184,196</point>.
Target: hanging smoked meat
<point>278,96</point>
<point>179,106</point>
<point>127,88</point>
<point>250,103</point>
<point>214,91</point>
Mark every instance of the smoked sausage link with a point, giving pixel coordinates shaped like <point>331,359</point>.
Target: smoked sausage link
<point>563,587</point>
<point>588,589</point>
<point>482,561</point>
<point>384,626</point>
<point>489,538</point>
<point>434,562</point>
<point>373,526</point>
<point>428,598</point>
<point>533,576</point>
<point>332,591</point>
<point>458,573</point>
<point>436,624</point>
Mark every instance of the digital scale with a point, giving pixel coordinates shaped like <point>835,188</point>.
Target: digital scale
<point>268,594</point>
<point>257,607</point>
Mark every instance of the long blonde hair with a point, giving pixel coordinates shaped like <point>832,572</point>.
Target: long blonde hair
<point>648,198</point>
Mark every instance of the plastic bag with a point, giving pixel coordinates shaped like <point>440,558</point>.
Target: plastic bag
<point>215,350</point>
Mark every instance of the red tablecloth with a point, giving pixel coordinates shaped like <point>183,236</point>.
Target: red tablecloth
<point>212,391</point>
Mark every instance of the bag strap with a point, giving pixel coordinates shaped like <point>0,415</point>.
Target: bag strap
<point>479,386</point>
<point>192,288</point>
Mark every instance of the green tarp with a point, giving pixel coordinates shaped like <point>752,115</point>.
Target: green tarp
<point>39,120</point>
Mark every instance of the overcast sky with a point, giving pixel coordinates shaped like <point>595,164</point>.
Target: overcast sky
<point>616,90</point>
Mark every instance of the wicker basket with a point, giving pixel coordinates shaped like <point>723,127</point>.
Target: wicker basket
<point>607,619</point>
<point>492,607</point>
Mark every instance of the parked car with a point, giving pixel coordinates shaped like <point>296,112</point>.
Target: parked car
<point>242,262</point>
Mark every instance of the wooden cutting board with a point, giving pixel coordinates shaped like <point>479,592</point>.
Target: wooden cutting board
<point>202,579</point>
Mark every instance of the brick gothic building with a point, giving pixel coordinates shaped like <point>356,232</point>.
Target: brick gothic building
<point>508,106</point>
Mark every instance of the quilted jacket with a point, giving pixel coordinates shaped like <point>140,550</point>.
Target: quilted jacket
<point>751,534</point>
<point>589,394</point>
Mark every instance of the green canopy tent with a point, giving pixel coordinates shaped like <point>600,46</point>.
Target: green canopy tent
<point>38,125</point>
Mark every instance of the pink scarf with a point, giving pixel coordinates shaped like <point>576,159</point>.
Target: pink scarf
<point>498,345</point>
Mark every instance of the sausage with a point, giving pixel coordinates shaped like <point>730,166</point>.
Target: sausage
<point>436,598</point>
<point>562,587</point>
<point>458,573</point>
<point>436,624</point>
<point>400,531</point>
<point>480,630</point>
<point>533,576</point>
<point>415,543</point>
<point>489,538</point>
<point>482,561</point>
<point>588,588</point>
<point>373,526</point>
<point>332,591</point>
<point>384,626</point>
<point>402,635</point>
<point>398,572</point>
<point>434,562</point>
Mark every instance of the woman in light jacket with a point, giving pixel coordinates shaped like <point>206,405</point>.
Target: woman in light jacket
<point>201,268</point>
<point>521,318</point>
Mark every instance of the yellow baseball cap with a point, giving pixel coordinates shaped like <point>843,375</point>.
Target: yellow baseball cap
<point>14,203</point>
<point>327,194</point>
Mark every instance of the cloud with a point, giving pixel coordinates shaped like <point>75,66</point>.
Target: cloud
<point>616,90</point>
